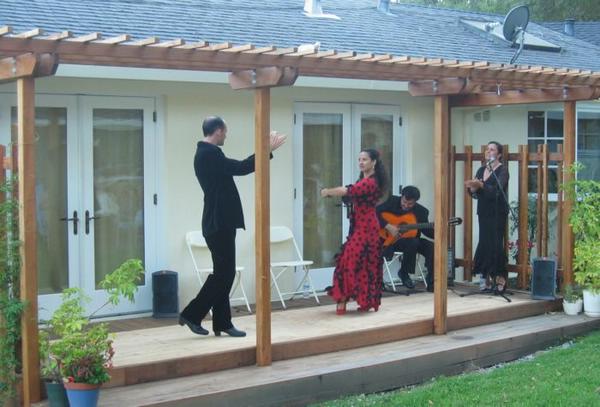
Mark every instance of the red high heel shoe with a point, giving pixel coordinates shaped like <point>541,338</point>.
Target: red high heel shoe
<point>340,308</point>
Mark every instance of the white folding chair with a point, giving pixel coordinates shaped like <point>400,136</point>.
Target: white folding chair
<point>195,241</point>
<point>280,235</point>
<point>397,256</point>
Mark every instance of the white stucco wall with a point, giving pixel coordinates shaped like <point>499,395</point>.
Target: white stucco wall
<point>183,105</point>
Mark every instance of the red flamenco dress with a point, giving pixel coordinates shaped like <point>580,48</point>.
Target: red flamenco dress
<point>359,266</point>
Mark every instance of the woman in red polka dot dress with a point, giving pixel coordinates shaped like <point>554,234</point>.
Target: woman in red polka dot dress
<point>358,270</point>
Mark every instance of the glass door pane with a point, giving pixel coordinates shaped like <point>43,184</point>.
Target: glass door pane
<point>377,127</point>
<point>377,132</point>
<point>322,167</point>
<point>118,173</point>
<point>51,197</point>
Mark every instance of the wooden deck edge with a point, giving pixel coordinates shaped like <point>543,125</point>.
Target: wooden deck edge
<point>517,311</point>
<point>186,366</point>
<point>381,375</point>
<point>180,367</point>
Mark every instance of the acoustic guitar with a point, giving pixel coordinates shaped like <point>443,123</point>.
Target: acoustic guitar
<point>407,225</point>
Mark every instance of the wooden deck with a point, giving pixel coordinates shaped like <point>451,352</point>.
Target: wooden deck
<point>365,370</point>
<point>166,352</point>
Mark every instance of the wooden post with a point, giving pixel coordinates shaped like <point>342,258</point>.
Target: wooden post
<point>262,106</point>
<point>452,200</point>
<point>569,159</point>
<point>544,215</point>
<point>559,205</point>
<point>468,216</point>
<point>523,215</point>
<point>506,159</point>
<point>539,195</point>
<point>27,236</point>
<point>440,143</point>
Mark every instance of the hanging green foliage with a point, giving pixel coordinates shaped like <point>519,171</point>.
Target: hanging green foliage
<point>11,305</point>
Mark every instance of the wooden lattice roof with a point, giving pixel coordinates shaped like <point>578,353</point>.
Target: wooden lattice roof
<point>427,76</point>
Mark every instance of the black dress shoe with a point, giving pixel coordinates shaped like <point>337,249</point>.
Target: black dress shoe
<point>231,332</point>
<point>195,328</point>
<point>407,282</point>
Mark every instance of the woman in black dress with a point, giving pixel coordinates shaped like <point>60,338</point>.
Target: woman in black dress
<point>492,211</point>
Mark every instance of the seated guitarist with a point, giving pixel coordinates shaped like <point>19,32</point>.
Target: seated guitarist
<point>402,210</point>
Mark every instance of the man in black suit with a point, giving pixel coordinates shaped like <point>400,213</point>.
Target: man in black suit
<point>401,205</point>
<point>221,217</point>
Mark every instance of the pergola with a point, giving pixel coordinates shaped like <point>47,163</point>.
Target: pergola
<point>452,83</point>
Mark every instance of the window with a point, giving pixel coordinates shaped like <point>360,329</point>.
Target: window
<point>588,144</point>
<point>544,127</point>
<point>547,127</point>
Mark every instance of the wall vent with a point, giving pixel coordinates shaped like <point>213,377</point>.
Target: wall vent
<point>313,9</point>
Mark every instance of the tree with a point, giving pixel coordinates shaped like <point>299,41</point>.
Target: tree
<point>541,10</point>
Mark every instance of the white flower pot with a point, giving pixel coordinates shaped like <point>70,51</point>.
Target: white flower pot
<point>573,308</point>
<point>591,303</point>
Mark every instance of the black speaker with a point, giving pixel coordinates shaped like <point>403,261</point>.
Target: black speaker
<point>543,279</point>
<point>165,301</point>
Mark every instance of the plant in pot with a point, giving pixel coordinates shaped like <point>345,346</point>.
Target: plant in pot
<point>572,299</point>
<point>76,350</point>
<point>585,221</point>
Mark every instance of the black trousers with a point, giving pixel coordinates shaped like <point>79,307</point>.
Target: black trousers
<point>410,247</point>
<point>215,291</point>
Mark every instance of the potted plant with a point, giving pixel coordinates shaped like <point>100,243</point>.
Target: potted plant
<point>50,372</point>
<point>81,352</point>
<point>585,221</point>
<point>572,299</point>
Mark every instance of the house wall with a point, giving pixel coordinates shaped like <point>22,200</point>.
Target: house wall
<point>182,107</point>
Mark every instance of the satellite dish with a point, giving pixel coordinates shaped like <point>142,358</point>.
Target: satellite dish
<point>515,22</point>
<point>514,27</point>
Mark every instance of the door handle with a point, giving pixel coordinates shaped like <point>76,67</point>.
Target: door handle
<point>88,218</point>
<point>75,220</point>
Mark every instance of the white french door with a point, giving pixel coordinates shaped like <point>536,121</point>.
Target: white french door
<point>327,140</point>
<point>95,183</point>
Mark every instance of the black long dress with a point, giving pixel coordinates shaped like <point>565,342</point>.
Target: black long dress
<point>492,212</point>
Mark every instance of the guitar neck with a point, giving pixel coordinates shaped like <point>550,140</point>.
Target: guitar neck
<point>417,226</point>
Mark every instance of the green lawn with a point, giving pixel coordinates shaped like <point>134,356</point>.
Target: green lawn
<point>563,376</point>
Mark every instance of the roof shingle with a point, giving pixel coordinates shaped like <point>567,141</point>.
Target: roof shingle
<point>414,30</point>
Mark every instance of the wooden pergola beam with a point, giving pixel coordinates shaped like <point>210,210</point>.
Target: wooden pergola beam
<point>263,77</point>
<point>444,86</point>
<point>513,97</point>
<point>441,137</point>
<point>340,64</point>
<point>568,239</point>
<point>262,106</point>
<point>28,239</point>
<point>27,65</point>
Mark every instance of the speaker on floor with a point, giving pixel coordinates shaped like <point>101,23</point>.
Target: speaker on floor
<point>543,279</point>
<point>165,302</point>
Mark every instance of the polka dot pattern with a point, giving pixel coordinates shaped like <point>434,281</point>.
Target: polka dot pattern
<point>359,265</point>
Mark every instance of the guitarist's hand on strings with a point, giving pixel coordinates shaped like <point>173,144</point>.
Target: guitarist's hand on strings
<point>392,230</point>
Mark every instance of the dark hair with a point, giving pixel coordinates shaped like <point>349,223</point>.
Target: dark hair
<point>499,148</point>
<point>411,193</point>
<point>212,124</point>
<point>380,173</point>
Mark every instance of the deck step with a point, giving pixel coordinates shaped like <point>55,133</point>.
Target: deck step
<point>369,369</point>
